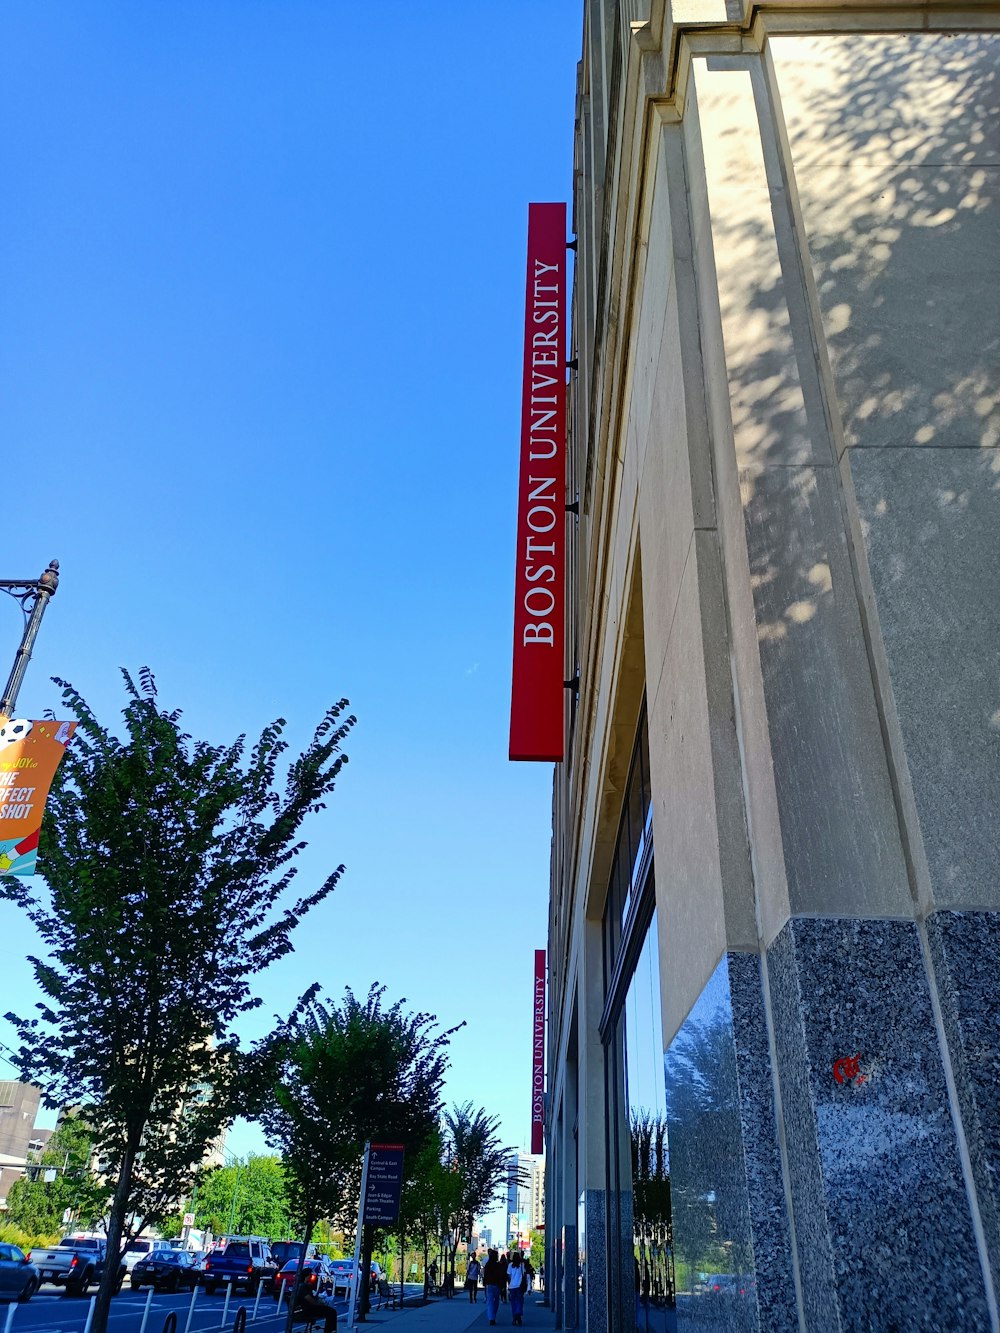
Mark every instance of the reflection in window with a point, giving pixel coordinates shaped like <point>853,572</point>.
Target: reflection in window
<point>641,1279</point>
<point>713,1246</point>
<point>648,1149</point>
<point>630,866</point>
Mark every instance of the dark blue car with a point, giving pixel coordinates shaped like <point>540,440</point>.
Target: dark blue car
<point>18,1278</point>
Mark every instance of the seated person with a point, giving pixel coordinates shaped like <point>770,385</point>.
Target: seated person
<point>314,1308</point>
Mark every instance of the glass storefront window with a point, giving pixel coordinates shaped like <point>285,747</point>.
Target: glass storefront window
<point>646,1110</point>
<point>640,1259</point>
<point>640,1252</point>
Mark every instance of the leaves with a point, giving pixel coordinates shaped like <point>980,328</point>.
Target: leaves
<point>247,1198</point>
<point>168,864</point>
<point>334,1076</point>
<point>473,1150</point>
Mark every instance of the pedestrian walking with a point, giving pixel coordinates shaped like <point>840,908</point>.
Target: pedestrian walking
<point>517,1281</point>
<point>491,1281</point>
<point>529,1273</point>
<point>472,1279</point>
<point>504,1268</point>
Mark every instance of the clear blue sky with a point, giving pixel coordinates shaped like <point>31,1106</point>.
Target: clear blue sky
<point>262,274</point>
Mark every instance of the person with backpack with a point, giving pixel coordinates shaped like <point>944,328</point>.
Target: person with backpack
<point>516,1283</point>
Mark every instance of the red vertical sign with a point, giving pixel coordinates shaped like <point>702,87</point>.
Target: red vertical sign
<point>538,1056</point>
<point>536,708</point>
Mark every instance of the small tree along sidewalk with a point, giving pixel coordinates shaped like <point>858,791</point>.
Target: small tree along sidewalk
<point>169,865</point>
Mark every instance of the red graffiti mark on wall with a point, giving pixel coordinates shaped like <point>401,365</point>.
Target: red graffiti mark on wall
<point>848,1070</point>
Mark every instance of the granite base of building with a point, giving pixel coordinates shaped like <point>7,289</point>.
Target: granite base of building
<point>861,1184</point>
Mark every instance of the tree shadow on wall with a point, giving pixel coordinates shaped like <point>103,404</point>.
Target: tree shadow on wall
<point>895,144</point>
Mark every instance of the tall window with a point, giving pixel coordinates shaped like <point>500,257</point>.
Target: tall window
<point>640,1286</point>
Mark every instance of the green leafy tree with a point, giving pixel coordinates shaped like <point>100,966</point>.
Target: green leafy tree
<point>537,1252</point>
<point>480,1161</point>
<point>430,1198</point>
<point>168,863</point>
<point>340,1075</point>
<point>60,1181</point>
<point>246,1199</point>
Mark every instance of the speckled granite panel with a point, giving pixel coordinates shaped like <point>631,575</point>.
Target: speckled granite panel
<point>731,1234</point>
<point>765,1190</point>
<point>595,1311</point>
<point>865,1101</point>
<point>626,1288</point>
<point>965,947</point>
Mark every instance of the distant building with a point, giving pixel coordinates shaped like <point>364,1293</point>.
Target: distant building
<point>525,1197</point>
<point>19,1105</point>
<point>537,1193</point>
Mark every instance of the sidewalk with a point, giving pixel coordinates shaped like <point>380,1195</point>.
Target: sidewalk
<point>456,1316</point>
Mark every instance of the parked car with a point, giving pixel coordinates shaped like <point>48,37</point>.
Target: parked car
<point>283,1250</point>
<point>166,1270</point>
<point>140,1248</point>
<point>19,1278</point>
<point>317,1276</point>
<point>75,1263</point>
<point>343,1275</point>
<point>241,1263</point>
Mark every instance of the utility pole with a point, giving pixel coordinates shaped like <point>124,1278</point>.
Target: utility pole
<point>34,596</point>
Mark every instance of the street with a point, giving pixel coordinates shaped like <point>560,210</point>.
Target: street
<point>50,1311</point>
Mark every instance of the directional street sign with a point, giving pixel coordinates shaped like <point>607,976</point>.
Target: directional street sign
<point>384,1183</point>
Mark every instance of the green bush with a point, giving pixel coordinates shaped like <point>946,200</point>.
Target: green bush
<point>25,1240</point>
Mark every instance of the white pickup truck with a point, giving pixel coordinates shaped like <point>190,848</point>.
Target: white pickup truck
<point>74,1264</point>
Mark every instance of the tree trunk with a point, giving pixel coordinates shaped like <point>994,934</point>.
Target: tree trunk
<point>427,1290</point>
<point>116,1225</point>
<point>402,1266</point>
<point>297,1284</point>
<point>365,1277</point>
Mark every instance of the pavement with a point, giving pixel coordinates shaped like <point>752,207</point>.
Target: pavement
<point>455,1316</point>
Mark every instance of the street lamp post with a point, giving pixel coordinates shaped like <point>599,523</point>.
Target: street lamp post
<point>34,596</point>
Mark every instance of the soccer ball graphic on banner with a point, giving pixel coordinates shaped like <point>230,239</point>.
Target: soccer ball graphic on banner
<point>13,731</point>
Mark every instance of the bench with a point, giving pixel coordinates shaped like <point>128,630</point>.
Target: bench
<point>387,1295</point>
<point>316,1316</point>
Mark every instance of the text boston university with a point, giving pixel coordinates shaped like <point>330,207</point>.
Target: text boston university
<point>538,1057</point>
<point>536,713</point>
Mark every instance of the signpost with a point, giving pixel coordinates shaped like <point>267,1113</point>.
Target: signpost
<point>381,1187</point>
<point>385,1183</point>
<point>29,751</point>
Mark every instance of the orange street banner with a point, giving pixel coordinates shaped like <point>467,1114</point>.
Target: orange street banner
<point>29,756</point>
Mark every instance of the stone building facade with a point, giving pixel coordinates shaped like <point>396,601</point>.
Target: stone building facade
<point>774,939</point>
<point>19,1106</point>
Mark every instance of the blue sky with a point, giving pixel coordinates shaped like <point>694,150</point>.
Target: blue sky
<point>262,274</point>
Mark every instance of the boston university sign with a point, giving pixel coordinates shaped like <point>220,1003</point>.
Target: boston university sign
<point>536,712</point>
<point>538,1057</point>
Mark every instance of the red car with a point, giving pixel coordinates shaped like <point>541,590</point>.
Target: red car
<point>317,1276</point>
